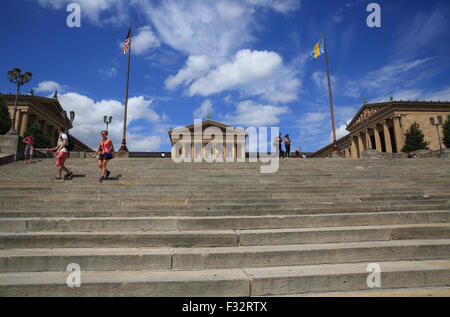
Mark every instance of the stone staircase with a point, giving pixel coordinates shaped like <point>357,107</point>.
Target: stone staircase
<point>163,229</point>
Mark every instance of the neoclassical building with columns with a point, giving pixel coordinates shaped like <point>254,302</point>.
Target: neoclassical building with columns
<point>198,138</point>
<point>382,127</point>
<point>48,112</point>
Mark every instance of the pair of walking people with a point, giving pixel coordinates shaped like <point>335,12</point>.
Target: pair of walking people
<point>287,145</point>
<point>106,149</point>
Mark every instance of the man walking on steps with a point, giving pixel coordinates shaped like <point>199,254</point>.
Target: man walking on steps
<point>62,153</point>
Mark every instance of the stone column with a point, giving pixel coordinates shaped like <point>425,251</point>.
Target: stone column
<point>399,137</point>
<point>17,123</point>
<point>24,125</point>
<point>361,145</point>
<point>377,139</point>
<point>354,149</point>
<point>368,140</point>
<point>387,138</point>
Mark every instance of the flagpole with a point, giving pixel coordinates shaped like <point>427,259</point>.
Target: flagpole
<point>335,149</point>
<point>123,152</point>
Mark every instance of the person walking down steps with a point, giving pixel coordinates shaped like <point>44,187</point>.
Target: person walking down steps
<point>62,153</point>
<point>106,149</point>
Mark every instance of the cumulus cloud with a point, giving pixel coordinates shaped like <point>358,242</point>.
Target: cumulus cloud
<point>205,109</point>
<point>249,113</point>
<point>144,40</point>
<point>89,120</point>
<point>48,86</point>
<point>247,66</point>
<point>195,67</point>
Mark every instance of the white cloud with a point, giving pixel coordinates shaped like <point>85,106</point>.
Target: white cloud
<point>247,66</point>
<point>205,109</point>
<point>196,66</point>
<point>398,74</point>
<point>144,40</point>
<point>48,86</point>
<point>249,113</point>
<point>89,121</point>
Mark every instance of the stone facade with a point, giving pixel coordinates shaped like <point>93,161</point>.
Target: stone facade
<point>235,148</point>
<point>382,127</point>
<point>48,112</point>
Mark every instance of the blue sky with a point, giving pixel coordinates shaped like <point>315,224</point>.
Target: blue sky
<point>246,62</point>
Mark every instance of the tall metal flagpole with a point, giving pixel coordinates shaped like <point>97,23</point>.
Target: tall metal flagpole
<point>335,149</point>
<point>123,149</point>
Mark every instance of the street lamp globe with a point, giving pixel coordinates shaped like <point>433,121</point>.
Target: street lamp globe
<point>432,120</point>
<point>439,119</point>
<point>72,116</point>
<point>16,72</point>
<point>25,78</point>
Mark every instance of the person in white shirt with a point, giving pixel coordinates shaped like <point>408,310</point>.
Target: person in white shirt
<point>61,153</point>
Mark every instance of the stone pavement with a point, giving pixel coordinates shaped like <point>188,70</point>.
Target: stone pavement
<point>163,229</point>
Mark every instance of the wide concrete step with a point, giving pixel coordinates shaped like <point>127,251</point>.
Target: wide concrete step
<point>119,239</point>
<point>217,223</point>
<point>232,282</point>
<point>141,259</point>
<point>347,277</point>
<point>402,292</point>
<point>99,211</point>
<point>223,238</point>
<point>214,283</point>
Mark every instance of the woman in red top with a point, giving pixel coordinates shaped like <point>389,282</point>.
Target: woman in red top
<point>107,151</point>
<point>29,140</point>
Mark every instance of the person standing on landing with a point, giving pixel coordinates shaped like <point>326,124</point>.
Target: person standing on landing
<point>106,149</point>
<point>61,153</point>
<point>29,141</point>
<point>287,145</point>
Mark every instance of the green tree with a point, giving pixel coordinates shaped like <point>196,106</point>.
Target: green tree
<point>5,119</point>
<point>446,128</point>
<point>415,139</point>
<point>41,140</point>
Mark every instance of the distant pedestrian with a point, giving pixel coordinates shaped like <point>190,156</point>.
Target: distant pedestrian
<point>287,145</point>
<point>297,153</point>
<point>278,142</point>
<point>29,141</point>
<point>62,153</point>
<point>107,151</point>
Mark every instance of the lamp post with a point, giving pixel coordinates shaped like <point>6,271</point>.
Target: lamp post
<point>72,118</point>
<point>433,123</point>
<point>107,121</point>
<point>16,77</point>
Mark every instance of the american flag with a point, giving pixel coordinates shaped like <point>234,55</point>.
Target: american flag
<point>127,43</point>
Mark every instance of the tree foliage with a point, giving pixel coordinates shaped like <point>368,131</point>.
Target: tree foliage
<point>446,128</point>
<point>5,119</point>
<point>415,139</point>
<point>41,140</point>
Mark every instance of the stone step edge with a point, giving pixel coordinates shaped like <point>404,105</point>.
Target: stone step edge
<point>230,231</point>
<point>238,282</point>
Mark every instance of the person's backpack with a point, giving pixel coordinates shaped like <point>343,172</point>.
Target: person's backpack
<point>70,142</point>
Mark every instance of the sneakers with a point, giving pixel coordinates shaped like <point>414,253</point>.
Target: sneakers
<point>101,179</point>
<point>58,178</point>
<point>69,174</point>
<point>107,173</point>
